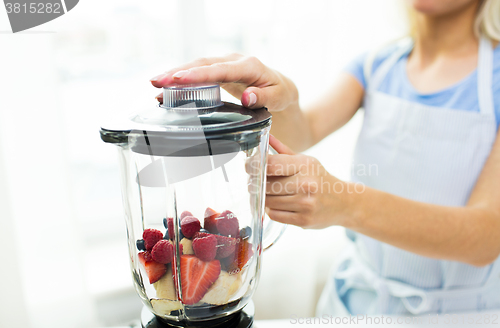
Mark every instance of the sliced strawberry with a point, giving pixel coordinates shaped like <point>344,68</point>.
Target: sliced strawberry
<point>196,277</point>
<point>209,222</point>
<point>227,224</point>
<point>154,270</point>
<point>235,263</point>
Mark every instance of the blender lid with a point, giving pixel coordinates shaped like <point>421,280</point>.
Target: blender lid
<point>188,109</point>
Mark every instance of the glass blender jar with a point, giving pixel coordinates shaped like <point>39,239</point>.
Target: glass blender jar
<point>193,173</point>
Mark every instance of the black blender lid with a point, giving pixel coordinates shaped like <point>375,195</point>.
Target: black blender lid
<point>190,117</point>
<point>190,108</point>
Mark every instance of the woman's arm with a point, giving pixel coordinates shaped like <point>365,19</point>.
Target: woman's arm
<point>246,78</point>
<point>469,234</point>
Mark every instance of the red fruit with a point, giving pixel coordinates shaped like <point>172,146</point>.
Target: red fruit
<point>234,264</point>
<point>227,224</point>
<point>205,248</point>
<point>196,277</point>
<point>185,213</point>
<point>209,222</point>
<point>225,246</point>
<point>170,225</point>
<point>163,251</point>
<point>151,237</point>
<point>189,226</point>
<point>147,256</point>
<point>154,270</point>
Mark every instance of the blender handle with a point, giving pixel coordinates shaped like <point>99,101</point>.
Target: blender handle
<point>272,230</point>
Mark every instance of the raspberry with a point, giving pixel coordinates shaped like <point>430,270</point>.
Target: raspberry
<point>163,251</point>
<point>151,237</point>
<point>205,248</point>
<point>184,214</point>
<point>227,224</point>
<point>189,226</point>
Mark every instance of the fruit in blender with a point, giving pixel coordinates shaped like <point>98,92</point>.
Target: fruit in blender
<point>196,277</point>
<point>163,251</point>
<point>154,270</point>
<point>205,247</point>
<point>225,245</point>
<point>235,263</point>
<point>151,237</point>
<point>185,213</point>
<point>165,306</point>
<point>227,224</point>
<point>209,222</point>
<point>187,246</point>
<point>222,289</point>
<point>165,286</point>
<point>189,226</point>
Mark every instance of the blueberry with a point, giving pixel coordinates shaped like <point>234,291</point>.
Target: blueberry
<point>140,245</point>
<point>166,235</point>
<point>180,235</point>
<point>165,223</point>
<point>204,231</point>
<point>245,232</point>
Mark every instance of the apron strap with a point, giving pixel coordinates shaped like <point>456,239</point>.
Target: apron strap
<point>373,81</point>
<point>485,77</point>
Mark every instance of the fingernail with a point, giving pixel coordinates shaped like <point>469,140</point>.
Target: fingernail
<point>252,99</point>
<point>156,78</point>
<point>180,74</point>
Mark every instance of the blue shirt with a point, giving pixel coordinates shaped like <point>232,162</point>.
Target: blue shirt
<point>460,96</point>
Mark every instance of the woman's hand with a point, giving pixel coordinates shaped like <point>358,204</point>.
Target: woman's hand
<point>301,192</point>
<point>245,78</point>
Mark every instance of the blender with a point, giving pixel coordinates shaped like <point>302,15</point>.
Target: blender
<point>193,174</point>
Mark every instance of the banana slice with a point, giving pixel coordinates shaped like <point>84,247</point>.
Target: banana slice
<point>223,288</point>
<point>187,246</point>
<point>165,288</point>
<point>164,307</point>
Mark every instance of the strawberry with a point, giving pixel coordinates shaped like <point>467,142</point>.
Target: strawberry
<point>209,222</point>
<point>225,246</point>
<point>151,237</point>
<point>234,264</point>
<point>227,224</point>
<point>185,213</point>
<point>205,247</point>
<point>163,251</point>
<point>189,226</point>
<point>196,277</point>
<point>154,270</point>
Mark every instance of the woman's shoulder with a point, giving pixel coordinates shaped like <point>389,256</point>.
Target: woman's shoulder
<point>374,57</point>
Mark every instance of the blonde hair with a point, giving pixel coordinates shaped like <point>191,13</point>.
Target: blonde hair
<point>487,20</point>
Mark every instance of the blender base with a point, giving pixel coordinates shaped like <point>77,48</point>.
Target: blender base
<point>240,319</point>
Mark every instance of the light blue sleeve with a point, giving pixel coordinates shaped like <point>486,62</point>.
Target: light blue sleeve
<point>496,83</point>
<point>355,68</point>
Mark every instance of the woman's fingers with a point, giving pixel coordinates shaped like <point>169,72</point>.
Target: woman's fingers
<point>283,203</point>
<point>282,185</point>
<point>166,78</point>
<point>280,147</point>
<point>282,216</point>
